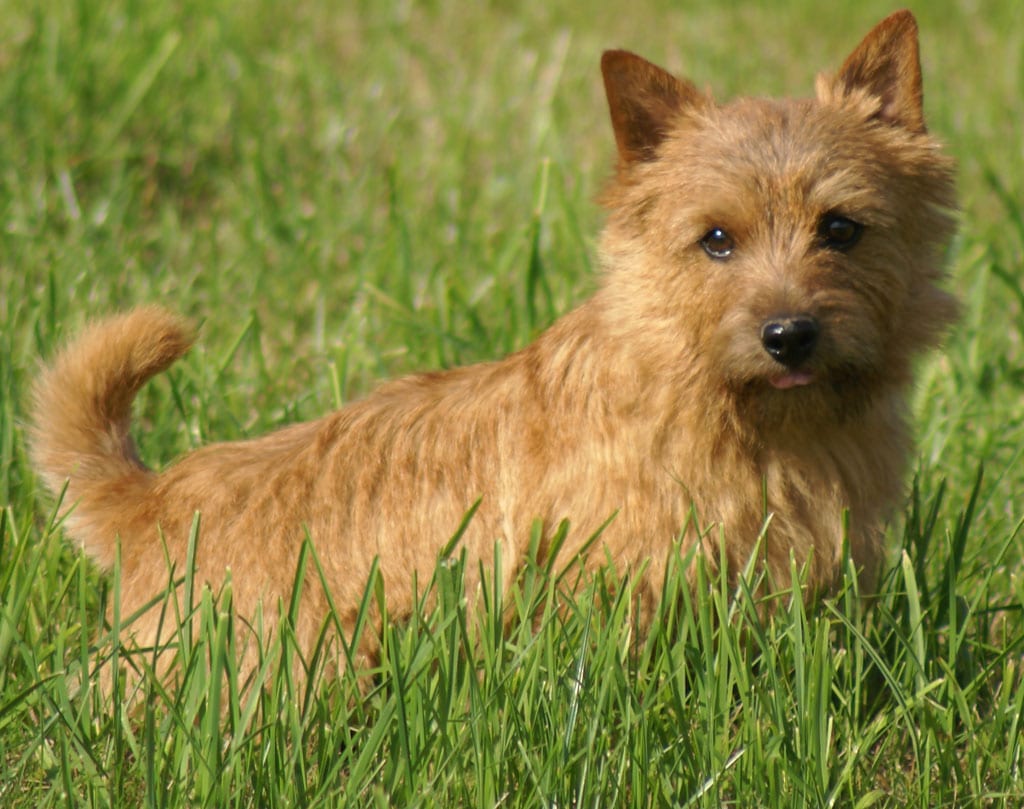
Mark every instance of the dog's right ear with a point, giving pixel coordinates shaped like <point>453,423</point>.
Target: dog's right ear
<point>644,101</point>
<point>886,65</point>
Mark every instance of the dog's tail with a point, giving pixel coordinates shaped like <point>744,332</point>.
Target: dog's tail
<point>81,413</point>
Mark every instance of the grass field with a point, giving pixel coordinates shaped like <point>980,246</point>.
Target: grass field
<point>344,192</point>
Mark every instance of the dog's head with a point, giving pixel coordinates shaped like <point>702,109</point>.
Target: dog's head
<point>789,252</point>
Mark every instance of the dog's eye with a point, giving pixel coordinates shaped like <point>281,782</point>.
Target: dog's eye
<point>717,243</point>
<point>838,232</point>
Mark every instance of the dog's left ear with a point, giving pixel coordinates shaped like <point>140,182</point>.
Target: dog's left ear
<point>644,102</point>
<point>887,65</point>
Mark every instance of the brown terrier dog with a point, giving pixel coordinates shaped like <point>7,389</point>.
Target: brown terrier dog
<point>771,271</point>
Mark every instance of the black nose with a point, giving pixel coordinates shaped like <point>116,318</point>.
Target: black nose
<point>790,340</point>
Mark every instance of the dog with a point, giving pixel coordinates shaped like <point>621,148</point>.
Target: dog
<point>771,270</point>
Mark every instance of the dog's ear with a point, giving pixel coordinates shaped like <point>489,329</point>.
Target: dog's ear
<point>887,66</point>
<point>644,101</point>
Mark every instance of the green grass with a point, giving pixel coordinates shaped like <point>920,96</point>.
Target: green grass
<point>344,194</point>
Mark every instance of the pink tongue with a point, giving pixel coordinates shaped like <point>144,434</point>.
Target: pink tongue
<point>794,379</point>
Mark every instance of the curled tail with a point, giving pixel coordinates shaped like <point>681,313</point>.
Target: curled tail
<point>81,411</point>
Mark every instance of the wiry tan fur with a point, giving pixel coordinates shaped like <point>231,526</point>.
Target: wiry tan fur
<point>654,397</point>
